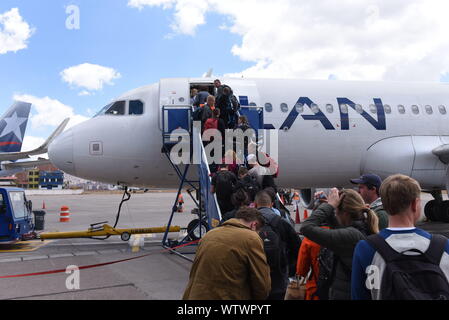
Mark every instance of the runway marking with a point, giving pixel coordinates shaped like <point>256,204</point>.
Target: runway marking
<point>23,246</point>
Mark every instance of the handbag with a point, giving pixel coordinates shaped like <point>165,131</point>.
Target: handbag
<point>296,289</point>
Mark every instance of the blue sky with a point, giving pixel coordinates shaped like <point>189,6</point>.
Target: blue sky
<point>131,43</point>
<point>111,34</point>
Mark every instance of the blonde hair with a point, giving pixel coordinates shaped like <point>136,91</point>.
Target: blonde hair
<point>210,99</point>
<point>353,204</point>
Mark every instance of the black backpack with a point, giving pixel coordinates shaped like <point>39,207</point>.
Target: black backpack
<point>197,114</point>
<point>412,277</point>
<point>225,183</point>
<point>326,273</point>
<point>250,185</point>
<point>272,242</point>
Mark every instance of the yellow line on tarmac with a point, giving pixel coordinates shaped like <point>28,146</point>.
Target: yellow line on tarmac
<point>23,246</point>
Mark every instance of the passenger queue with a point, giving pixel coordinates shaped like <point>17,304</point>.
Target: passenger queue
<point>355,245</point>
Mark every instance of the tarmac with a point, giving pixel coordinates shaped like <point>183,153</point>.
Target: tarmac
<point>152,274</point>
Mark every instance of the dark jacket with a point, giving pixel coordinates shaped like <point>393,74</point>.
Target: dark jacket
<point>341,240</point>
<point>279,278</point>
<point>200,98</point>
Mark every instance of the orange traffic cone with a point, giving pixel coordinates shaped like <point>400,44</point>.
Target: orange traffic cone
<point>43,205</point>
<point>298,219</point>
<point>306,214</point>
<point>180,203</point>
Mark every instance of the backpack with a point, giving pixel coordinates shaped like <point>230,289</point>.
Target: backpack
<point>286,216</point>
<point>326,273</point>
<point>412,277</point>
<point>211,124</point>
<point>235,103</point>
<point>272,243</point>
<point>224,184</point>
<point>250,185</point>
<point>197,114</point>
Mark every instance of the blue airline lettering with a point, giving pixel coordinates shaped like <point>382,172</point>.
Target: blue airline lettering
<point>320,116</point>
<point>379,124</point>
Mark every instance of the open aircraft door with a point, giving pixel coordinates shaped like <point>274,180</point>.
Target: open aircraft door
<point>247,93</point>
<point>173,93</point>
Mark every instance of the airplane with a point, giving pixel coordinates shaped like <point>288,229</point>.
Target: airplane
<point>13,126</point>
<point>329,132</point>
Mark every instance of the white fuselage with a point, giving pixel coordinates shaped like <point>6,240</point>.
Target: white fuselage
<point>315,150</point>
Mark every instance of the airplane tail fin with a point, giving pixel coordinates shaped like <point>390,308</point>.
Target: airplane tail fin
<point>13,125</point>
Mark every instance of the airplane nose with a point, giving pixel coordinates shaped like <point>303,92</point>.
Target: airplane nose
<point>60,152</point>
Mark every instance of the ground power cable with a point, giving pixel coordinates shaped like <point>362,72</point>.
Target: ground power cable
<point>126,197</point>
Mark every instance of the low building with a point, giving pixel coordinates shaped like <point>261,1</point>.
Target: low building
<point>8,181</point>
<point>32,179</point>
<point>51,180</point>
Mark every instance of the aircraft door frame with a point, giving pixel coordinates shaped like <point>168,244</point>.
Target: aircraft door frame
<point>173,92</point>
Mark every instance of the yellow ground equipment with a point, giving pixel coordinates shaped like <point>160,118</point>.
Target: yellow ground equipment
<point>98,230</point>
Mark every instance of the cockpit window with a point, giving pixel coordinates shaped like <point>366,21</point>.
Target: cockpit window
<point>117,109</point>
<point>135,107</point>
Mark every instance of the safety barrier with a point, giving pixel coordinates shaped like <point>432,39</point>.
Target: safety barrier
<point>64,216</point>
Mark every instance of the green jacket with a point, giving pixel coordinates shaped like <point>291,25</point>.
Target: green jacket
<point>378,208</point>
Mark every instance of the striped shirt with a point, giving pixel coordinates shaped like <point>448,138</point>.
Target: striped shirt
<point>367,261</point>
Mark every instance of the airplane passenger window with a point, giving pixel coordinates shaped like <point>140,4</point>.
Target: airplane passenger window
<point>373,108</point>
<point>329,108</point>
<point>442,109</point>
<point>315,108</point>
<point>135,107</point>
<point>429,109</point>
<point>299,107</point>
<point>268,107</point>
<point>359,108</point>
<point>415,109</point>
<point>284,107</point>
<point>117,109</point>
<point>387,108</point>
<point>401,109</point>
<point>344,108</point>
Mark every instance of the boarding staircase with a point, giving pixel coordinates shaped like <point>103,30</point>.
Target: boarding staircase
<point>177,123</point>
<point>178,129</point>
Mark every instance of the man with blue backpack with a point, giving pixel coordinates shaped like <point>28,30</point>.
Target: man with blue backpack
<point>402,262</point>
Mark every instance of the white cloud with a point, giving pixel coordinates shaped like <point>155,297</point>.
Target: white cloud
<point>140,4</point>
<point>188,16</point>
<point>14,32</point>
<point>90,77</point>
<point>32,143</point>
<point>50,112</point>
<point>345,39</point>
<point>84,93</point>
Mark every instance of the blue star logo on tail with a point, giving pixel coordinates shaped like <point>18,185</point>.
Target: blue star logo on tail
<point>13,126</point>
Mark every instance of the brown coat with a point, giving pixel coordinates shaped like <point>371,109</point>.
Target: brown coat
<point>230,264</point>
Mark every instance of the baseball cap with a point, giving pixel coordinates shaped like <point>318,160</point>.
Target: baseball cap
<point>368,179</point>
<point>251,159</point>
